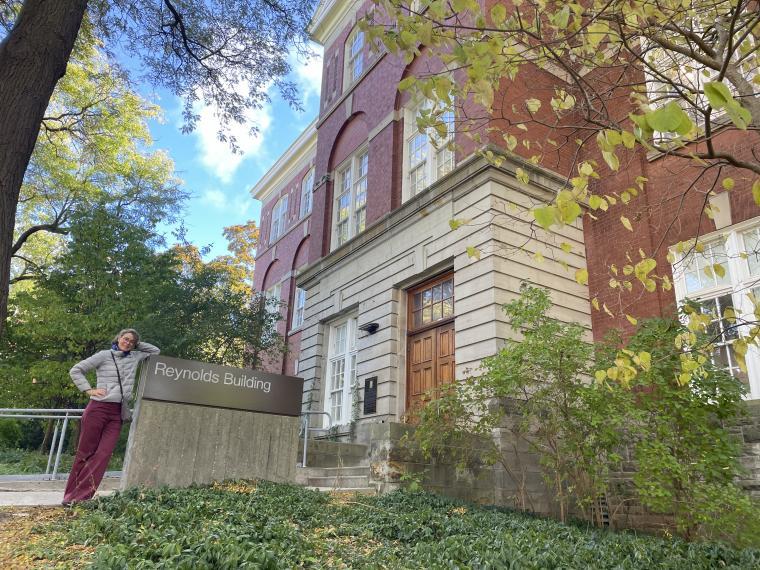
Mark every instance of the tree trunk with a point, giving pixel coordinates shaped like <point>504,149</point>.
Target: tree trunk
<point>33,58</point>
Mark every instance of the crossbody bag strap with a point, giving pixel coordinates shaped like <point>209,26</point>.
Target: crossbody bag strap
<point>118,376</point>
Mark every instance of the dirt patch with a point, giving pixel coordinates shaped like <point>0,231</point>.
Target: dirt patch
<point>19,539</point>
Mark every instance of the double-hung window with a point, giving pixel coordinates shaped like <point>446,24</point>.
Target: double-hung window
<point>279,216</point>
<point>298,307</point>
<point>428,154</point>
<point>307,188</point>
<point>272,296</point>
<point>341,370</point>
<point>718,277</point>
<point>354,57</point>
<point>351,197</point>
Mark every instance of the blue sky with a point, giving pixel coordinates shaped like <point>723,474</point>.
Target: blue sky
<point>218,180</point>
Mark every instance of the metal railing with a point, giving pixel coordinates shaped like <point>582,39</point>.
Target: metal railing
<point>305,424</point>
<point>59,433</point>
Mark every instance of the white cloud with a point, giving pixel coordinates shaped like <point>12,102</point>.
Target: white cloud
<point>308,73</point>
<point>216,155</point>
<point>215,198</point>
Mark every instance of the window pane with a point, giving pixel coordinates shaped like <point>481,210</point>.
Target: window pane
<point>427,315</point>
<point>339,341</point>
<point>752,249</point>
<point>437,311</point>
<point>699,270</point>
<point>344,205</point>
<point>360,221</point>
<point>448,288</point>
<point>436,293</point>
<point>417,319</point>
<point>338,374</point>
<point>418,146</point>
<point>427,297</point>
<point>448,308</point>
<point>417,304</point>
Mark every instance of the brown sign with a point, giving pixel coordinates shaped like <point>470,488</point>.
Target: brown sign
<point>189,382</point>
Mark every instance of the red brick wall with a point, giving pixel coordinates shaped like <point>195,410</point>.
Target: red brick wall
<point>669,211</point>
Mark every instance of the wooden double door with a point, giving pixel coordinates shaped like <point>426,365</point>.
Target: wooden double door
<point>430,345</point>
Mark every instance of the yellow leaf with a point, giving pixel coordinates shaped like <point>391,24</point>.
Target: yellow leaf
<point>539,257</point>
<point>627,223</point>
<point>719,270</point>
<point>728,183</point>
<point>566,247</point>
<point>595,303</point>
<point>631,320</point>
<point>600,375</point>
<point>533,105</point>
<point>756,191</point>
<point>581,276</point>
<point>473,252</point>
<point>521,175</point>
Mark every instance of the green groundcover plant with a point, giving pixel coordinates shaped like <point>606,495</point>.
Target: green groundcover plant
<point>248,524</point>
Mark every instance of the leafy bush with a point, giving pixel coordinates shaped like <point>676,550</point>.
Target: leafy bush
<point>267,525</point>
<point>537,390</point>
<point>10,434</point>
<point>687,461</point>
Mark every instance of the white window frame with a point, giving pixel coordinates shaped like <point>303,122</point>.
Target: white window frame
<point>341,370</point>
<point>427,156</point>
<point>279,219</point>
<point>307,189</point>
<point>737,283</point>
<point>350,197</point>
<point>299,304</point>
<point>275,292</point>
<point>353,58</point>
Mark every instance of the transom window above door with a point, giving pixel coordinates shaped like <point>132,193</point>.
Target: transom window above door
<point>432,302</point>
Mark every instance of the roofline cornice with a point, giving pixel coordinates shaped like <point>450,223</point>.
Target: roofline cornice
<point>290,161</point>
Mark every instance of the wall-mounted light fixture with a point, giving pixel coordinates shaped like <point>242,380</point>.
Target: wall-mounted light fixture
<point>369,328</point>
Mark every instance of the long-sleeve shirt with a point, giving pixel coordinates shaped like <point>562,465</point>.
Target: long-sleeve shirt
<point>105,370</point>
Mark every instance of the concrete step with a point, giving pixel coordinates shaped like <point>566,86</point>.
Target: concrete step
<point>339,481</point>
<point>323,453</point>
<point>334,471</point>
<point>346,490</point>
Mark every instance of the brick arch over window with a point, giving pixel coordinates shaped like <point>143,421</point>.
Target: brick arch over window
<point>302,253</point>
<point>351,135</point>
<point>270,275</point>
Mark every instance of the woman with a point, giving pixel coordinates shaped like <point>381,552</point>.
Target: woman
<point>102,419</point>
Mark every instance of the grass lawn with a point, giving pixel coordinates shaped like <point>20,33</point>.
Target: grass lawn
<point>266,525</point>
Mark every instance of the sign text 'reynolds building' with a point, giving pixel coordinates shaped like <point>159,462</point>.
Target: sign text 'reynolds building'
<point>187,381</point>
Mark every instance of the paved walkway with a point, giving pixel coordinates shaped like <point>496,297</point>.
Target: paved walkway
<point>31,490</point>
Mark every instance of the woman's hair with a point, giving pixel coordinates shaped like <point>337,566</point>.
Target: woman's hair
<point>127,331</point>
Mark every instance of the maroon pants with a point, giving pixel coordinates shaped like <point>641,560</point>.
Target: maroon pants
<point>100,429</point>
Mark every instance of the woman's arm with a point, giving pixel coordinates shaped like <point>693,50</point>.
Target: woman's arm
<point>147,349</point>
<point>79,370</point>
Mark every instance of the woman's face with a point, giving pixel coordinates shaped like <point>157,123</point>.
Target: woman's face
<point>127,342</point>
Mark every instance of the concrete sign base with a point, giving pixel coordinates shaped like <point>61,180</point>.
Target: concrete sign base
<point>181,444</point>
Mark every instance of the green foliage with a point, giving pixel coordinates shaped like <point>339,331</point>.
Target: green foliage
<point>111,277</point>
<point>266,525</point>
<point>94,148</point>
<point>10,433</point>
<point>687,461</point>
<point>534,391</point>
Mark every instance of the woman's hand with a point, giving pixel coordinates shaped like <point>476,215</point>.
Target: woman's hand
<point>99,392</point>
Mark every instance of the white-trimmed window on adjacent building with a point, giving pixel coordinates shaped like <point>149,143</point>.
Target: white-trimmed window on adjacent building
<point>721,276</point>
<point>428,154</point>
<point>279,218</point>
<point>341,370</point>
<point>299,304</point>
<point>350,211</point>
<point>354,58</point>
<point>307,189</point>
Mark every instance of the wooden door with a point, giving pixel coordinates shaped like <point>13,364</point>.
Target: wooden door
<point>431,364</point>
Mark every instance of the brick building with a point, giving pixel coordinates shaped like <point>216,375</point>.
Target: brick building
<point>383,300</point>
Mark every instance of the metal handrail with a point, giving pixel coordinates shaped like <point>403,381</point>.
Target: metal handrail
<point>46,414</point>
<point>305,415</point>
